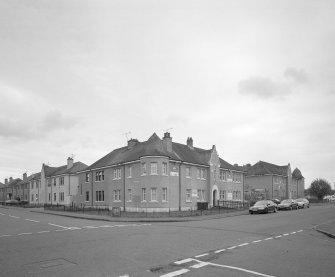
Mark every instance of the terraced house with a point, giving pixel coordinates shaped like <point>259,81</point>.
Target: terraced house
<point>56,185</point>
<point>268,181</point>
<point>159,175</point>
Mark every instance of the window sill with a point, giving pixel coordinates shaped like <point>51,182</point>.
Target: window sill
<point>118,201</point>
<point>153,201</point>
<point>188,201</point>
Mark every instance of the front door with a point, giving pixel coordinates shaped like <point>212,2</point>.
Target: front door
<point>214,197</point>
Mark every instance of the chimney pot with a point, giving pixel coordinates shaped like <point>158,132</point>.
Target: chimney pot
<point>190,142</point>
<point>25,176</point>
<point>167,141</point>
<point>132,142</point>
<point>6,181</point>
<point>69,162</point>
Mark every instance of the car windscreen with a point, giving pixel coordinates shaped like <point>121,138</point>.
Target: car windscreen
<point>286,201</point>
<point>261,203</point>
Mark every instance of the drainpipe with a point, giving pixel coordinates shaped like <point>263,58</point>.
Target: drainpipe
<point>179,178</point>
<point>124,188</point>
<point>91,187</point>
<point>69,188</point>
<point>272,188</point>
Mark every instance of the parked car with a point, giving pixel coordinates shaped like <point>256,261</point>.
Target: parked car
<point>11,202</point>
<point>277,201</point>
<point>288,204</point>
<point>329,197</point>
<point>302,203</point>
<point>263,206</point>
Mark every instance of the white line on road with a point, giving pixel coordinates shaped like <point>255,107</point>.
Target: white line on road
<point>244,244</point>
<point>240,269</point>
<point>183,261</point>
<point>5,236</point>
<point>57,225</point>
<point>90,227</point>
<point>2,214</point>
<point>202,255</point>
<point>32,220</point>
<point>299,231</point>
<point>74,228</point>
<point>293,233</point>
<point>232,247</point>
<point>202,264</point>
<point>13,216</point>
<point>268,238</point>
<point>176,273</point>
<point>255,241</point>
<point>218,251</point>
<point>285,234</point>
<point>40,232</point>
<point>21,234</point>
<point>61,230</point>
<point>278,236</point>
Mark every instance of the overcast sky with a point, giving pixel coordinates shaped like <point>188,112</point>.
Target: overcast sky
<point>255,78</point>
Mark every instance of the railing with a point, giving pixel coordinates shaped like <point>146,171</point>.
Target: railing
<point>231,204</point>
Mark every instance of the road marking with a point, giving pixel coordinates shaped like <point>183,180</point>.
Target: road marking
<point>13,216</point>
<point>202,255</point>
<point>285,235</point>
<point>40,232</point>
<point>278,236</point>
<point>218,251</point>
<point>109,226</point>
<point>61,230</point>
<point>183,261</point>
<point>74,228</point>
<point>90,227</point>
<point>241,269</point>
<point>21,234</point>
<point>255,241</point>
<point>268,238</point>
<point>57,225</point>
<point>176,273</point>
<point>244,244</point>
<point>293,233</point>
<point>202,264</point>
<point>5,236</point>
<point>124,225</point>
<point>299,231</point>
<point>32,220</point>
<point>2,214</point>
<point>232,247</point>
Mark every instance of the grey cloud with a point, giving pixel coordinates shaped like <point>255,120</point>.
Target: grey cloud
<point>54,120</point>
<point>10,128</point>
<point>263,87</point>
<point>297,75</point>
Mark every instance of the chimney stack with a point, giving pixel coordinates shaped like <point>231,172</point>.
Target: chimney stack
<point>132,142</point>
<point>25,176</point>
<point>167,141</point>
<point>190,142</point>
<point>69,162</point>
<point>10,179</point>
<point>6,181</point>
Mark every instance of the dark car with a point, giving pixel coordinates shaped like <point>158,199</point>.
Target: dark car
<point>263,206</point>
<point>288,204</point>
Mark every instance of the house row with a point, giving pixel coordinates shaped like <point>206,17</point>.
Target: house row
<point>155,175</point>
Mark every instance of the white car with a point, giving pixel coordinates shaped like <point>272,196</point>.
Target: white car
<point>302,203</point>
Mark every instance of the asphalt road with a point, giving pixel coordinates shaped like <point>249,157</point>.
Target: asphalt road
<point>281,244</point>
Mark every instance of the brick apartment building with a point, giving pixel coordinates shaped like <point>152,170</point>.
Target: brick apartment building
<point>268,181</point>
<point>159,175</point>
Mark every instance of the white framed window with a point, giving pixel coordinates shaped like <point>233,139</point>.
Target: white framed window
<point>55,197</point>
<point>49,196</point>
<point>99,176</point>
<point>203,174</point>
<point>153,194</point>
<point>188,195</point>
<point>87,196</point>
<point>130,169</point>
<point>61,196</point>
<point>49,182</point>
<point>198,173</point>
<point>199,195</point>
<point>144,195</point>
<point>36,197</point>
<point>222,175</point>
<point>54,181</point>
<point>87,177</point>
<point>130,195</point>
<point>61,180</point>
<point>222,194</point>
<point>164,168</point>
<point>188,172</point>
<point>153,168</point>
<point>32,198</point>
<point>164,195</point>
<point>117,173</point>
<point>117,195</point>
<point>144,168</point>
<point>203,195</point>
<point>100,196</point>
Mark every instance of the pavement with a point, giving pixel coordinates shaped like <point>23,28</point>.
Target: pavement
<point>327,228</point>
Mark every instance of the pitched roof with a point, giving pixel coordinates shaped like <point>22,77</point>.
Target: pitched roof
<point>225,165</point>
<point>297,174</point>
<point>54,171</point>
<point>2,185</point>
<point>14,182</point>
<point>154,146</point>
<point>35,176</point>
<point>262,168</point>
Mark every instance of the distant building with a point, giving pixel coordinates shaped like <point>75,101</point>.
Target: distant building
<point>266,180</point>
<point>159,175</point>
